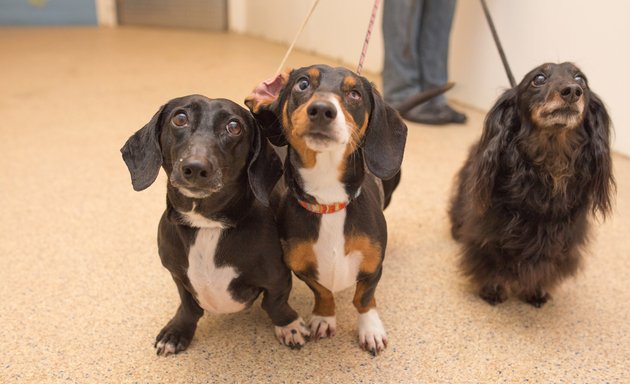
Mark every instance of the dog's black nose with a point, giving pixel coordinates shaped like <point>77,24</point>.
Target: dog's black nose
<point>196,169</point>
<point>571,93</point>
<point>321,111</point>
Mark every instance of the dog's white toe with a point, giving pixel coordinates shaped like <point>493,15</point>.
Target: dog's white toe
<point>293,334</point>
<point>165,348</point>
<point>323,326</point>
<point>372,335</point>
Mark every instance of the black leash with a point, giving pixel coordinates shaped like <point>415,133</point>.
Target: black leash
<point>508,71</point>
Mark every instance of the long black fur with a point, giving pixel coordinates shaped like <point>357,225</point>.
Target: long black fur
<point>524,197</point>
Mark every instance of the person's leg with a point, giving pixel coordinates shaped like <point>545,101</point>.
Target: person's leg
<point>401,21</point>
<point>433,43</point>
<point>432,47</point>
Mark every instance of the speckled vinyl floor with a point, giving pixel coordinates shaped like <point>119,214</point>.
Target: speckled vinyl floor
<point>84,294</point>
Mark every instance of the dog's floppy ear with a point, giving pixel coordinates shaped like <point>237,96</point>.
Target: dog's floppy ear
<point>265,102</point>
<point>597,124</point>
<point>264,168</point>
<point>142,153</point>
<point>385,138</point>
<point>500,121</point>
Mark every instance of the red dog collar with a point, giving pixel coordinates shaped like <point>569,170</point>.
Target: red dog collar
<point>323,208</point>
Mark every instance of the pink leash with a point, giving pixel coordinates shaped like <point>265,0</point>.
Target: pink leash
<point>366,42</point>
<point>269,87</point>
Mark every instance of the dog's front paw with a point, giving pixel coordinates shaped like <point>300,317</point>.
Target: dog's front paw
<point>493,294</point>
<point>173,338</point>
<point>372,336</point>
<point>322,326</point>
<point>537,299</point>
<point>293,334</point>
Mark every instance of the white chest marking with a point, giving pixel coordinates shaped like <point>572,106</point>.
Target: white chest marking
<point>322,181</point>
<point>196,220</point>
<point>336,270</point>
<point>209,281</point>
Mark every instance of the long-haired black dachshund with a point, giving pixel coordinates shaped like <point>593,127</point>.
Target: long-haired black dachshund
<point>524,196</point>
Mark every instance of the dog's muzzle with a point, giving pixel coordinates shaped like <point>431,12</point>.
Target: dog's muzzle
<point>571,93</point>
<point>326,126</point>
<point>196,176</point>
<point>321,112</point>
<point>565,109</point>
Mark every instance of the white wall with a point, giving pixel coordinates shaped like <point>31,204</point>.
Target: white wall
<point>237,15</point>
<point>592,34</point>
<point>336,28</point>
<point>106,13</point>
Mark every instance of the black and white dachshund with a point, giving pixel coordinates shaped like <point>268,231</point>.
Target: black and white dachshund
<point>217,237</point>
<point>524,197</point>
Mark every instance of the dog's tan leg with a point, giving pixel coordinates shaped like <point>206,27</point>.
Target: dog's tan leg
<point>363,300</point>
<point>372,335</point>
<point>300,258</point>
<point>323,323</point>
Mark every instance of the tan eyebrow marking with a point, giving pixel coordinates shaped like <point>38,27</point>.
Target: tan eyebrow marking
<point>313,72</point>
<point>349,82</point>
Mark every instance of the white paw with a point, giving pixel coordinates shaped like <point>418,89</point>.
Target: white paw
<point>165,348</point>
<point>372,336</point>
<point>322,326</point>
<point>173,338</point>
<point>293,334</point>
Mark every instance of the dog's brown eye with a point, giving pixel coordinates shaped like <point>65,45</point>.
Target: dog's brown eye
<point>354,95</point>
<point>180,120</point>
<point>539,80</point>
<point>234,128</point>
<point>302,84</point>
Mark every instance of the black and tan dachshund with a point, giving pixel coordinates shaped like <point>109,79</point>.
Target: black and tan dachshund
<point>216,237</point>
<point>524,197</point>
<point>345,148</point>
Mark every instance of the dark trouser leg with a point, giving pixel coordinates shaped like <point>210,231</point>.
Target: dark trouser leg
<point>401,20</point>
<point>433,43</point>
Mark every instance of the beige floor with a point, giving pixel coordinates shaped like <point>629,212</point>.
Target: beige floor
<point>83,292</point>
